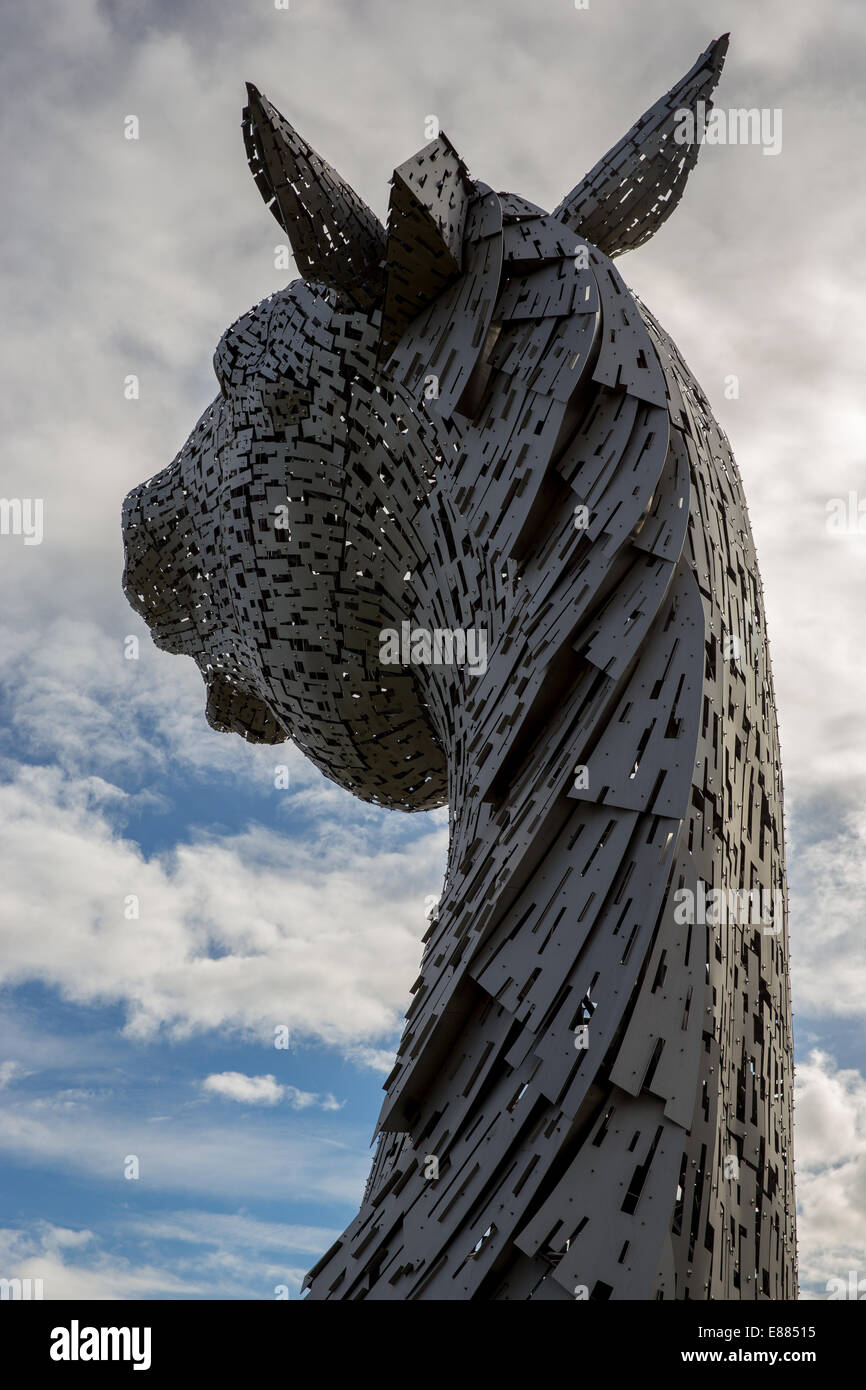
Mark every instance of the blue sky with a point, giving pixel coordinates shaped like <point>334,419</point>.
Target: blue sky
<point>258,907</point>
<point>251,1157</point>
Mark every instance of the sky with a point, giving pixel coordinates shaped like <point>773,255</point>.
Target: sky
<point>168,914</point>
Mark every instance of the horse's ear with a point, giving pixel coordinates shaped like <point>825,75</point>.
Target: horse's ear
<point>624,200</point>
<point>336,239</point>
<point>426,216</point>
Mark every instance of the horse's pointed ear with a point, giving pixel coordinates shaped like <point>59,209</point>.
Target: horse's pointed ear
<point>429,196</point>
<point>335,237</point>
<point>624,200</point>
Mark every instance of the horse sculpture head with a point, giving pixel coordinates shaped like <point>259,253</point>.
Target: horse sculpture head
<point>351,457</point>
<point>466,426</point>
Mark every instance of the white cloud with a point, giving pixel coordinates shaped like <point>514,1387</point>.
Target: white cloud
<point>266,1090</point>
<point>303,1160</point>
<point>73,696</point>
<point>306,1100</point>
<point>830,1150</point>
<point>227,1229</point>
<point>249,1090</point>
<point>44,1253</point>
<point>828,886</point>
<point>376,1058</point>
<point>176,1254</point>
<point>248,932</point>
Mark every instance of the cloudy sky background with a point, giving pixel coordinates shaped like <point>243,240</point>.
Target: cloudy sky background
<point>302,908</point>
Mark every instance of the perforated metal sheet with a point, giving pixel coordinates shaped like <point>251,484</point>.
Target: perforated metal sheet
<point>406,436</point>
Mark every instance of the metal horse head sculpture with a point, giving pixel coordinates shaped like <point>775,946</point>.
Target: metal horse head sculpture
<point>465,423</point>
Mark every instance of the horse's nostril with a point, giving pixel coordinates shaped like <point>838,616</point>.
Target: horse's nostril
<point>153,581</point>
